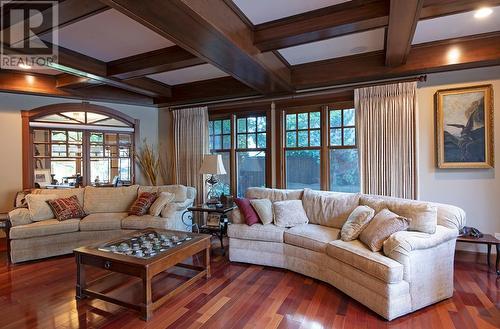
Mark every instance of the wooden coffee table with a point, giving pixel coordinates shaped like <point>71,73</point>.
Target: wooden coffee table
<point>142,274</point>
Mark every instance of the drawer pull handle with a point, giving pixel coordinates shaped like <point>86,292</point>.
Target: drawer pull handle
<point>107,265</point>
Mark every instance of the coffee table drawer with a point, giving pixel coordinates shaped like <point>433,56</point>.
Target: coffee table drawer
<point>112,265</point>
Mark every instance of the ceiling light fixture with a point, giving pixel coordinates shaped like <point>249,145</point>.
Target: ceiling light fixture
<point>483,12</point>
<point>453,55</point>
<point>24,66</point>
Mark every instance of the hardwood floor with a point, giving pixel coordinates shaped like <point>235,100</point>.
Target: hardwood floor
<point>41,295</point>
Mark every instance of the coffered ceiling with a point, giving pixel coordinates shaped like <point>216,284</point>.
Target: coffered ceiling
<point>187,51</point>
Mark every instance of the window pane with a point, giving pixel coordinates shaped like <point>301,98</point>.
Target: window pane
<point>349,136</point>
<point>125,139</point>
<point>314,120</point>
<point>291,121</point>
<point>349,117</point>
<point>110,151</point>
<point>74,136</point>
<point>75,150</point>
<point>291,139</point>
<point>226,126</point>
<point>242,125</point>
<point>335,118</point>
<point>303,138</point>
<point>261,124</point>
<point>124,151</point>
<point>302,121</point>
<point>41,136</point>
<point>344,170</point>
<point>315,138</point>
<point>224,185</point>
<point>226,141</point>
<point>96,151</point>
<point>303,169</point>
<point>242,141</point>
<point>41,150</point>
<point>217,127</point>
<point>211,142</point>
<point>125,170</point>
<point>99,169</point>
<point>59,136</point>
<point>64,168</point>
<point>261,140</point>
<point>210,127</point>
<point>96,138</point>
<point>336,137</point>
<point>217,142</point>
<point>110,139</point>
<point>251,141</point>
<point>58,150</point>
<point>251,170</point>
<point>252,125</point>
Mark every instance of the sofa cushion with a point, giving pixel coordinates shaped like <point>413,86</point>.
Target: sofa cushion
<point>273,194</point>
<point>38,206</point>
<point>356,223</point>
<point>356,254</point>
<point>289,213</point>
<point>44,228</point>
<point>62,193</point>
<point>260,232</point>
<point>163,199</point>
<point>423,215</point>
<point>311,236</point>
<point>20,216</point>
<point>180,191</point>
<point>141,222</point>
<point>102,221</point>
<point>109,199</point>
<point>329,208</point>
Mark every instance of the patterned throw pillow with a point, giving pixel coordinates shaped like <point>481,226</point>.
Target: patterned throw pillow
<point>356,223</point>
<point>381,227</point>
<point>142,204</point>
<point>66,208</point>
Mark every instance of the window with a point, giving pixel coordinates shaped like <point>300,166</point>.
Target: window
<point>303,150</point>
<point>344,168</point>
<point>68,141</point>
<point>242,140</point>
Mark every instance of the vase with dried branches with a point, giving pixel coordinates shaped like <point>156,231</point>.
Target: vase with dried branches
<point>149,161</point>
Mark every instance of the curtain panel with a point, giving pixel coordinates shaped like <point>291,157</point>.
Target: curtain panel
<point>190,144</point>
<point>386,117</point>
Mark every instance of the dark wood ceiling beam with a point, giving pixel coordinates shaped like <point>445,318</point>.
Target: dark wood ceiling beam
<point>437,8</point>
<point>213,32</point>
<point>156,61</point>
<point>46,85</point>
<point>207,90</point>
<point>73,82</point>
<point>337,20</point>
<point>403,18</point>
<point>476,51</point>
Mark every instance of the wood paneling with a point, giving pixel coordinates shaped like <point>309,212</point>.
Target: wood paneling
<point>156,61</point>
<point>41,295</point>
<point>477,51</point>
<point>403,18</point>
<point>213,32</point>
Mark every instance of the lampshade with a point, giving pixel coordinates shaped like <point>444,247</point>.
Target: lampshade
<point>212,164</point>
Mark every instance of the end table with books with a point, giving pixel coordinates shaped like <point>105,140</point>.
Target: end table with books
<point>216,229</point>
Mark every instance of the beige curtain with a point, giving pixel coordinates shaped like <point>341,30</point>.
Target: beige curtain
<point>190,144</point>
<point>386,117</point>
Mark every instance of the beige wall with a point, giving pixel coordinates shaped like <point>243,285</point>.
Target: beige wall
<point>477,191</point>
<point>10,136</point>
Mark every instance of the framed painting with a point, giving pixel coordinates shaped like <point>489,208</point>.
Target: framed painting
<point>465,127</point>
<point>42,177</point>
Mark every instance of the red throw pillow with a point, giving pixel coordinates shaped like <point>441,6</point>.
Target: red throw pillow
<point>66,208</point>
<point>247,211</point>
<point>142,204</point>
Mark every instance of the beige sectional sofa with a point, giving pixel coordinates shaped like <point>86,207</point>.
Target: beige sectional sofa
<point>107,218</point>
<point>414,270</point>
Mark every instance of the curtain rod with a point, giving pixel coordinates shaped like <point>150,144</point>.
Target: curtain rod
<point>298,94</point>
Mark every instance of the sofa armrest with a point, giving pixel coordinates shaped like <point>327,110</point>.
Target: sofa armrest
<point>235,217</point>
<point>19,216</point>
<point>184,205</point>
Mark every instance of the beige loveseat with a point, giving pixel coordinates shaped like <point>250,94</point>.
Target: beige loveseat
<point>414,270</point>
<point>107,218</point>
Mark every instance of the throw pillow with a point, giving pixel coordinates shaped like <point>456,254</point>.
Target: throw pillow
<point>38,206</point>
<point>141,205</point>
<point>247,211</point>
<point>381,227</point>
<point>66,208</point>
<point>264,209</point>
<point>289,213</point>
<point>356,223</point>
<point>160,203</point>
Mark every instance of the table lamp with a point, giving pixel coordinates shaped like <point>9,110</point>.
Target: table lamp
<point>212,165</point>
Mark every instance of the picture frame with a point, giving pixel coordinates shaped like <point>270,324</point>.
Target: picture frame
<point>213,219</point>
<point>42,177</point>
<point>464,122</point>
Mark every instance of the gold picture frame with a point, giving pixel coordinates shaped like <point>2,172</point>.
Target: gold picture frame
<point>464,120</point>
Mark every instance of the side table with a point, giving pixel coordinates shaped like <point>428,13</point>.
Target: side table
<point>488,240</point>
<point>218,231</point>
<point>5,226</point>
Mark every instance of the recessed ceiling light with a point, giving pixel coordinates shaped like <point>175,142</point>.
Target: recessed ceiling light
<point>483,12</point>
<point>24,66</point>
<point>453,55</point>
